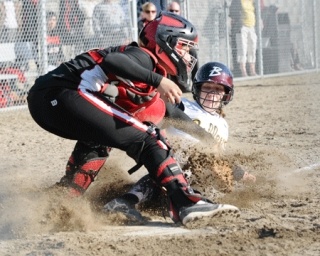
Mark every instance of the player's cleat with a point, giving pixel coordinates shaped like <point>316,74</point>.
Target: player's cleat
<point>205,210</point>
<point>123,206</point>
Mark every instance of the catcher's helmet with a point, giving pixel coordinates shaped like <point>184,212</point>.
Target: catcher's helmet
<point>217,73</point>
<point>165,37</point>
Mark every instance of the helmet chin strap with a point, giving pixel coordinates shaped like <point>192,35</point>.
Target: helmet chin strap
<point>212,110</point>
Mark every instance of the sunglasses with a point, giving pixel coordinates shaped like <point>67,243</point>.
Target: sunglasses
<point>148,11</point>
<point>174,10</point>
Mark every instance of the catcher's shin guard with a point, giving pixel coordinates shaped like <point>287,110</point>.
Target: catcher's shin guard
<point>83,166</point>
<point>179,193</point>
<point>85,175</point>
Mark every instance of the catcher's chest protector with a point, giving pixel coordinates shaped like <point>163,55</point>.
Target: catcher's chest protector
<point>140,99</point>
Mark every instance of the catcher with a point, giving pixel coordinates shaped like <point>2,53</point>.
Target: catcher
<point>212,89</point>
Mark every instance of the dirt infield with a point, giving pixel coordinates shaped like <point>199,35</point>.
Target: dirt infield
<point>274,134</point>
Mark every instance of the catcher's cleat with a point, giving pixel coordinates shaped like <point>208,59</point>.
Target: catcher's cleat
<point>123,206</point>
<point>203,211</point>
<point>65,181</point>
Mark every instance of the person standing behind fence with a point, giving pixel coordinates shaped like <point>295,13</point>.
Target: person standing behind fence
<point>55,54</point>
<point>109,22</point>
<point>87,7</point>
<point>29,34</point>
<point>243,22</point>
<point>161,5</point>
<point>149,13</point>
<point>174,7</point>
<point>70,25</point>
<point>9,20</point>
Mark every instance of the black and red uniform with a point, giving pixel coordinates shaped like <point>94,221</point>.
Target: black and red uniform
<point>67,102</point>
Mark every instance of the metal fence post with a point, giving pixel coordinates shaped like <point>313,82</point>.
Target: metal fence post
<point>133,5</point>
<point>316,35</point>
<point>43,58</point>
<point>260,52</point>
<point>226,14</point>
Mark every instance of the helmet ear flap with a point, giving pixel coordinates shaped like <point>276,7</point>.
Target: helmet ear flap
<point>227,97</point>
<point>165,61</point>
<point>195,90</point>
<point>172,41</point>
<point>168,40</point>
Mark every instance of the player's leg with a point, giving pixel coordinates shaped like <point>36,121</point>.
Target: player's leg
<point>143,190</point>
<point>83,165</point>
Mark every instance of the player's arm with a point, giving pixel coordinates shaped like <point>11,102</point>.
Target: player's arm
<point>175,112</point>
<point>134,65</point>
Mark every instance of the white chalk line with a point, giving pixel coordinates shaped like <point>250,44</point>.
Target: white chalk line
<point>307,168</point>
<point>159,229</point>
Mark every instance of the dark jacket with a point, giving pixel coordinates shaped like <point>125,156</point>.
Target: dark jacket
<point>71,20</point>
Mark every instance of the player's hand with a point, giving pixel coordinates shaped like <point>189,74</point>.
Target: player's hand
<point>247,177</point>
<point>169,91</point>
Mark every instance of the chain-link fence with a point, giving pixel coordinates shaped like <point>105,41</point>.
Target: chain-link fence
<point>37,35</point>
<point>287,38</point>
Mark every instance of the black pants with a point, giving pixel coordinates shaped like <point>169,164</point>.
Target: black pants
<point>82,116</point>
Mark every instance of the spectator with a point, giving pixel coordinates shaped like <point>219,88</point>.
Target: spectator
<point>29,21</point>
<point>295,59</point>
<point>30,13</point>
<point>174,7</point>
<point>70,25</point>
<point>109,22</point>
<point>149,13</point>
<point>161,5</point>
<point>55,54</point>
<point>87,6</point>
<point>9,20</point>
<point>243,22</point>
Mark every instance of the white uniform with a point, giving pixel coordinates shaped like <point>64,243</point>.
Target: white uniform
<point>214,124</point>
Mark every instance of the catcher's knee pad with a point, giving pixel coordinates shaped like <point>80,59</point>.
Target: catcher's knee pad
<point>83,166</point>
<point>168,171</point>
<point>151,151</point>
<point>84,151</point>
